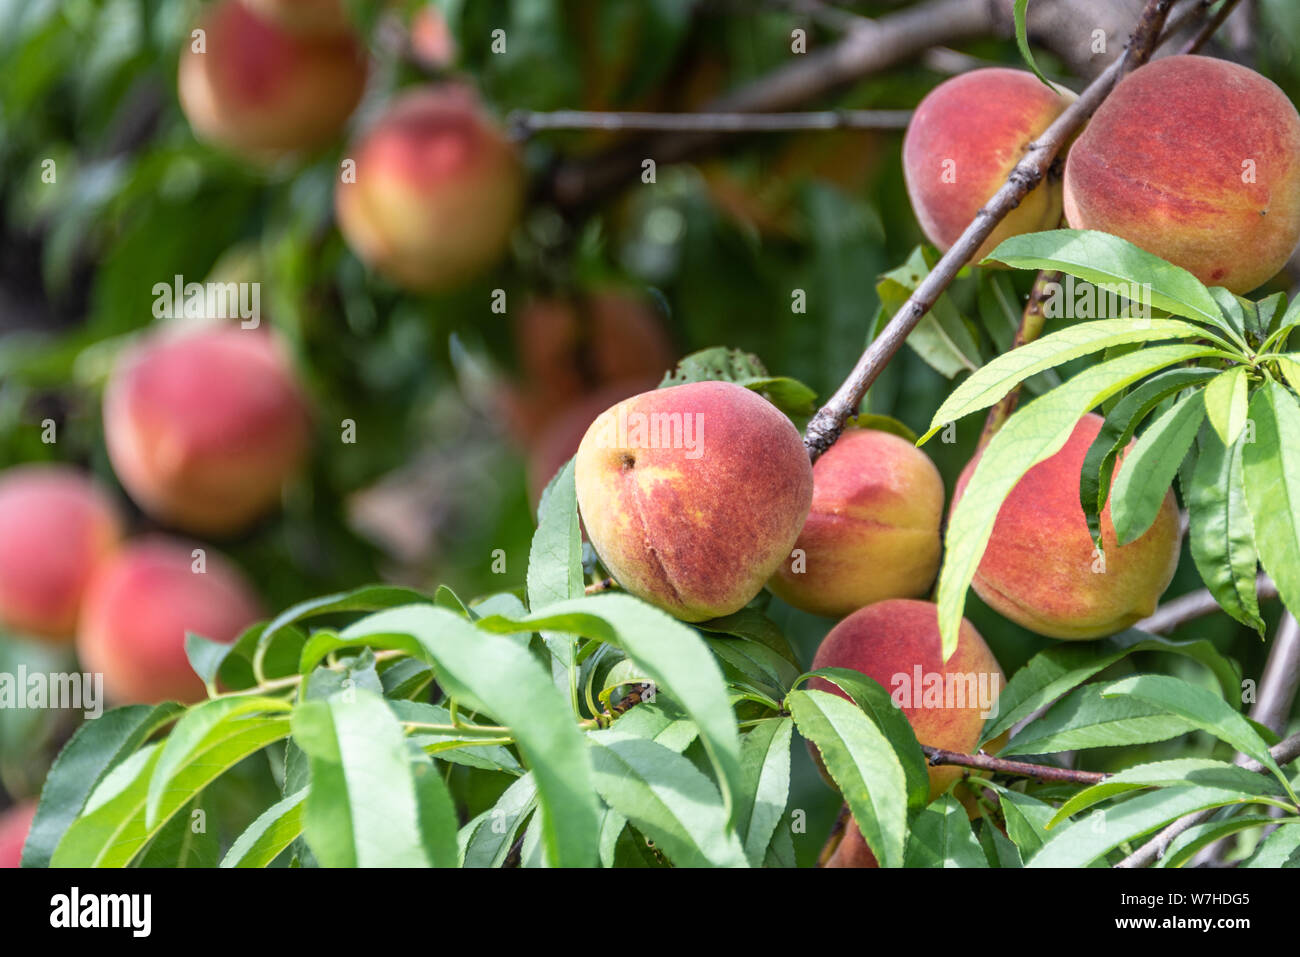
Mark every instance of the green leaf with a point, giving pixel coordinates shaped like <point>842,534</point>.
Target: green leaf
<point>190,736</point>
<point>111,830</point>
<point>362,809</point>
<point>992,382</point>
<point>1034,433</point>
<point>1149,469</point>
<point>365,598</point>
<point>1278,848</point>
<point>1221,535</point>
<point>667,797</point>
<point>1053,672</point>
<point>1271,468</point>
<point>941,338</point>
<point>497,676</point>
<point>1084,719</point>
<point>1186,845</point>
<point>1103,259</point>
<point>1019,12</point>
<point>95,749</point>
<point>670,652</point>
<point>1083,840</point>
<point>450,745</point>
<point>555,558</point>
<point>752,625</point>
<point>765,759</point>
<point>861,762</point>
<point>486,840</point>
<point>743,368</point>
<point>941,836</point>
<point>1180,772</point>
<point>1121,422</point>
<point>266,838</point>
<point>183,842</point>
<point>1026,818</point>
<point>1203,708</point>
<point>877,704</point>
<point>1227,402</point>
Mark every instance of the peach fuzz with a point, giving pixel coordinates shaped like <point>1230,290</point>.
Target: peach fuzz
<point>1196,160</point>
<point>695,518</point>
<point>138,608</point>
<point>962,142</point>
<point>873,529</point>
<point>204,424</point>
<point>888,642</point>
<point>261,92</point>
<point>56,525</point>
<point>1040,567</point>
<point>438,189</point>
<point>15,824</point>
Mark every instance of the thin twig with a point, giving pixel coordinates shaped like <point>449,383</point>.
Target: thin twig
<point>1208,30</point>
<point>1023,769</point>
<point>826,426</point>
<point>1031,327</point>
<point>524,123</point>
<point>1143,41</point>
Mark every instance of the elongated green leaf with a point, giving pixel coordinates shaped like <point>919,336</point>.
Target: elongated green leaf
<point>1026,818</point>
<point>426,724</point>
<point>995,380</point>
<point>324,643</point>
<point>1019,11</point>
<point>669,651</point>
<point>1226,403</point>
<point>183,842</point>
<point>877,704</point>
<point>1221,535</point>
<point>863,765</point>
<point>1121,423</point>
<point>1054,671</point>
<point>1084,719</point>
<point>1148,471</point>
<point>1034,433</point>
<point>1271,469</point>
<point>362,809</point>
<point>96,748</point>
<point>486,841</point>
<point>555,559</point>
<point>266,838</point>
<point>365,598</point>
<point>112,830</point>
<point>1203,708</point>
<point>497,676</point>
<point>1278,848</point>
<point>941,337</point>
<point>752,625</point>
<point>1180,772</point>
<point>1083,840</point>
<point>765,759</point>
<point>188,737</point>
<point>1104,259</point>
<point>1185,846</point>
<point>667,797</point>
<point>941,837</point>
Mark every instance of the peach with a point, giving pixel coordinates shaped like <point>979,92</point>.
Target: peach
<point>897,644</point>
<point>964,139</point>
<point>693,494</point>
<point>261,92</point>
<point>559,439</point>
<point>1040,567</point>
<point>852,851</point>
<point>138,608</point>
<point>437,191</point>
<point>1196,160</point>
<point>204,424</point>
<point>15,823</point>
<point>571,347</point>
<point>56,524</point>
<point>873,529</point>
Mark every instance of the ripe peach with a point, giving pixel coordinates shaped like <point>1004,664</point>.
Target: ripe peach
<point>56,524</point>
<point>693,494</point>
<point>1196,160</point>
<point>262,92</point>
<point>138,608</point>
<point>897,644</point>
<point>873,529</point>
<point>15,823</point>
<point>1040,566</point>
<point>205,424</point>
<point>438,189</point>
<point>852,851</point>
<point>964,138</point>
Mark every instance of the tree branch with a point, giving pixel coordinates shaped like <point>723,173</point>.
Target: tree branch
<point>1197,604</point>
<point>828,423</point>
<point>524,123</point>
<point>1023,769</point>
<point>1207,31</point>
